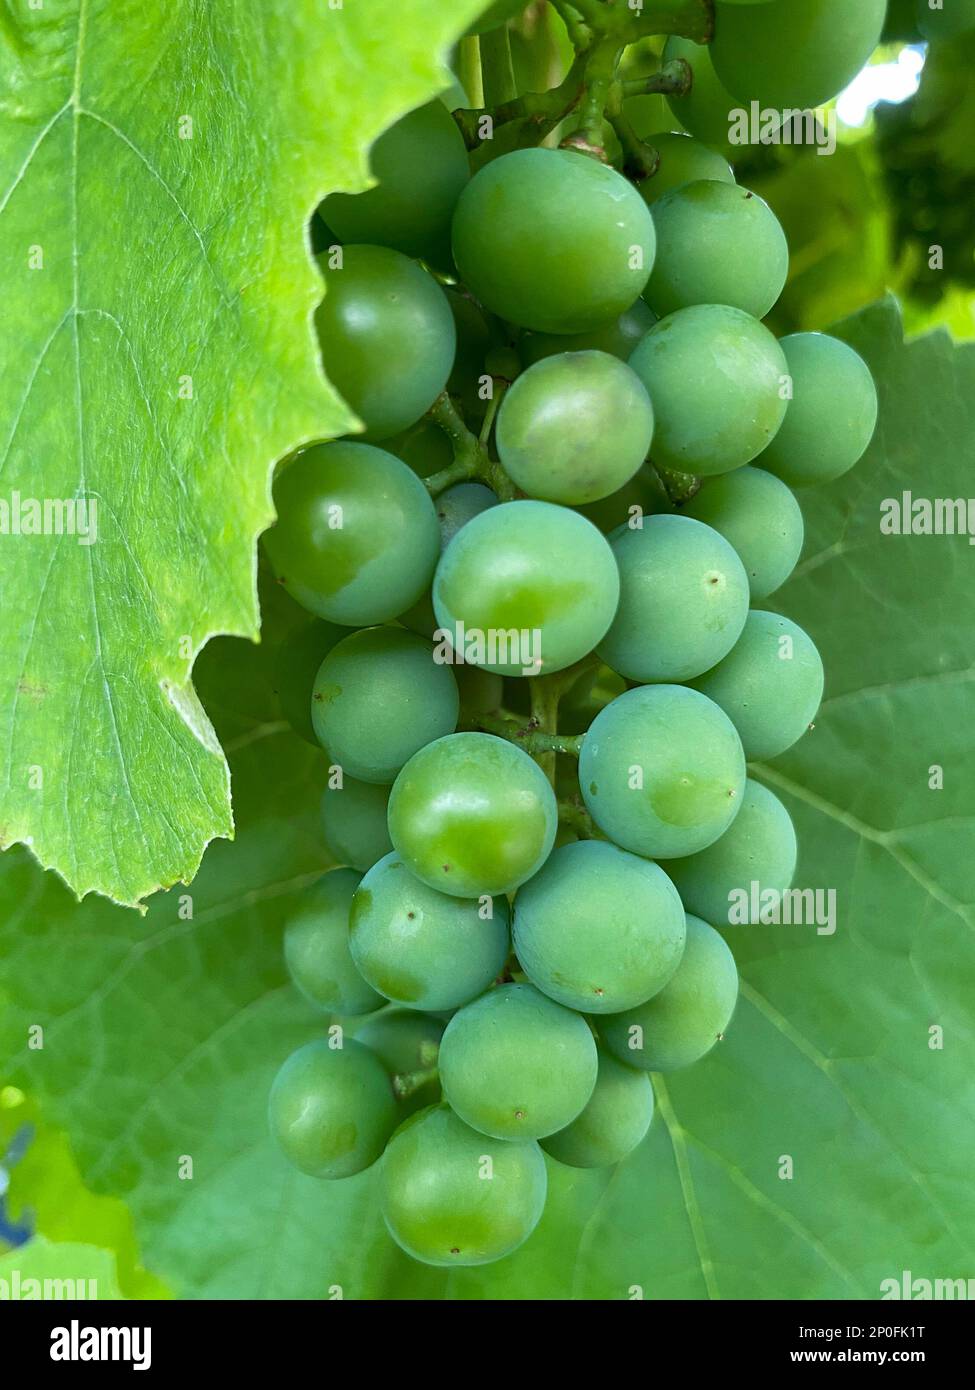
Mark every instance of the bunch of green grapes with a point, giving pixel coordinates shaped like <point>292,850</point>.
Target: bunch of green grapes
<point>573,484</point>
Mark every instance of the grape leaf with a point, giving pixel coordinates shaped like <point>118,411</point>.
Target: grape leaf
<point>46,1269</point>
<point>160,1038</point>
<point>158,357</point>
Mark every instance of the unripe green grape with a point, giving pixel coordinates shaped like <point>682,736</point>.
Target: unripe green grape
<point>760,517</point>
<point>332,1110</point>
<point>717,243</point>
<point>495,14</point>
<point>704,110</point>
<point>683,600</point>
<point>354,822</point>
<point>715,376</point>
<point>474,342</point>
<point>379,696</point>
<point>643,495</point>
<point>424,448</point>
<point>438,1202</point>
<point>598,929</point>
<point>532,570</point>
<point>682,1023</point>
<point>552,240</point>
<point>424,948</point>
<point>516,1065</point>
<point>316,948</point>
<point>770,685</point>
<point>458,505</point>
<point>481,692</point>
<point>472,814</point>
<point>954,18</point>
<point>832,416</point>
<point>758,848</point>
<point>683,160</point>
<point>296,663</point>
<point>356,539</point>
<point>405,1042</point>
<point>662,771</point>
<point>575,427</point>
<point>618,337</point>
<point>387,337</point>
<point>615,1120</point>
<point>420,166</point>
<point>794,53</point>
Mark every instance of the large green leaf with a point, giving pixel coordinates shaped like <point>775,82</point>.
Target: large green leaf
<point>42,1269</point>
<point>161,1037</point>
<point>155,185</point>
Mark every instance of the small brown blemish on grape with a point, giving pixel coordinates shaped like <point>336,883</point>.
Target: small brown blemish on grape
<point>599,991</point>
<point>720,1037</point>
<point>519,1114</point>
<point>732,792</point>
<point>455,1250</point>
<point>446,868</point>
<point>411,915</point>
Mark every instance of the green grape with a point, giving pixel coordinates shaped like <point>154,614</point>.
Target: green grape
<point>683,600</point>
<point>770,685</point>
<point>705,110</point>
<point>574,427</point>
<point>460,504</point>
<point>526,586</point>
<point>580,705</point>
<point>474,342</point>
<point>956,17</point>
<point>406,1042</point>
<point>472,815</point>
<point>643,495</point>
<point>497,13</point>
<point>717,243</point>
<point>832,416</point>
<point>379,696</point>
<point>682,1023</point>
<point>421,618</point>
<point>758,849</point>
<point>598,929</point>
<point>420,166</point>
<point>794,53</point>
<point>715,376</point>
<point>662,771</point>
<point>760,517</point>
<point>613,1123</point>
<point>332,1110</point>
<point>552,240</point>
<point>421,947</point>
<point>387,337</point>
<point>516,1065</point>
<point>481,692</point>
<point>683,160</point>
<point>354,822</point>
<point>450,1196</point>
<point>316,948</point>
<point>618,337</point>
<point>424,448</point>
<point>295,666</point>
<point>356,539</point>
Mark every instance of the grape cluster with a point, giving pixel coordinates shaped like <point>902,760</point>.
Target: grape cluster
<point>577,427</point>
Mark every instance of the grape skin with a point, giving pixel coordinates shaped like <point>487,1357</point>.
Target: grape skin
<point>615,1120</point>
<point>472,814</point>
<point>760,517</point>
<point>420,947</point>
<point>683,600</point>
<point>316,948</point>
<point>354,822</point>
<point>715,376</point>
<point>331,1110</point>
<point>403,1040</point>
<point>598,929</point>
<point>759,847</point>
<point>545,239</point>
<point>688,757</point>
<point>382,556</point>
<point>387,337</point>
<point>704,110</point>
<point>619,337</point>
<point>574,427</point>
<point>770,686</point>
<point>516,1065</point>
<point>378,698</point>
<point>683,160</point>
<point>682,1023</point>
<point>296,664</point>
<point>437,1202</point>
<point>717,243</point>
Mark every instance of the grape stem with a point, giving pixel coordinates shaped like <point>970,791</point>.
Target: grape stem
<point>471,459</point>
<point>528,736</point>
<point>679,487</point>
<point>407,1083</point>
<point>573,814</point>
<point>496,66</point>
